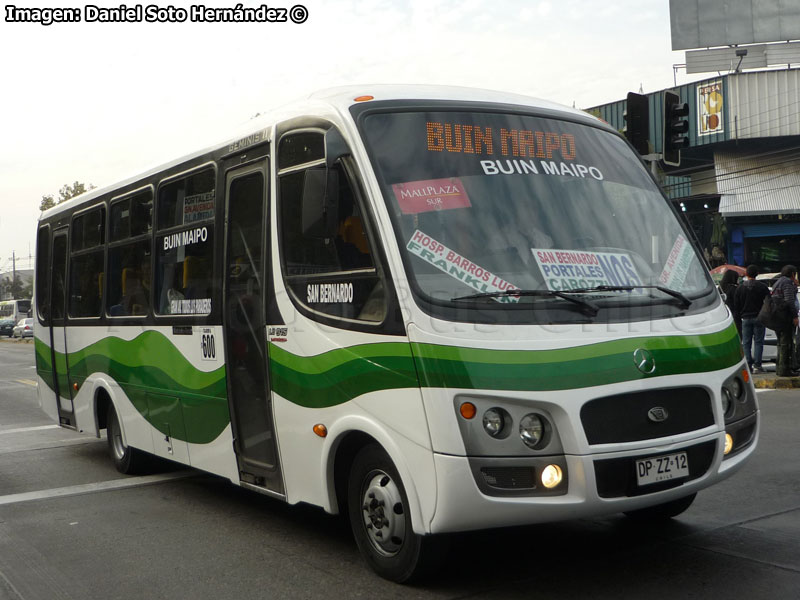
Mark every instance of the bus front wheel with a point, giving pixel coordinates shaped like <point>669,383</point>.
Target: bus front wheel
<point>381,520</point>
<point>126,459</point>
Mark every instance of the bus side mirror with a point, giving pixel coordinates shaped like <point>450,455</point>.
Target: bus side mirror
<point>320,217</point>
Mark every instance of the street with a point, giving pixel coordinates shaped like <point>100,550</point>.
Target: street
<point>71,526</point>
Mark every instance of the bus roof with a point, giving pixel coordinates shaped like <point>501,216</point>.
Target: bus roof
<point>339,100</point>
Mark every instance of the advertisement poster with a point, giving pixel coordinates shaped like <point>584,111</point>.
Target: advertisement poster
<point>431,194</point>
<point>710,108</point>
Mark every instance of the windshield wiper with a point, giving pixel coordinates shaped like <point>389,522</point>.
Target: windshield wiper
<point>587,307</point>
<point>685,302</point>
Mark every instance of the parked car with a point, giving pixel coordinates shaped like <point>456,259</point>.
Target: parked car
<point>23,329</point>
<point>7,327</point>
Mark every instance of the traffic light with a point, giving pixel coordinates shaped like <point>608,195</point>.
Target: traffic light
<point>637,122</point>
<point>676,126</point>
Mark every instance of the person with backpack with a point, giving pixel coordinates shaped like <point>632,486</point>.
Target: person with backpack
<point>747,302</point>
<point>785,290</point>
<point>728,286</point>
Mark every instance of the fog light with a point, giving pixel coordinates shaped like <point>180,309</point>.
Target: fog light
<point>728,443</point>
<point>493,422</point>
<point>551,476</point>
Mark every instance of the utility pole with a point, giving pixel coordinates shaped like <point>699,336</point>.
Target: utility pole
<point>13,270</point>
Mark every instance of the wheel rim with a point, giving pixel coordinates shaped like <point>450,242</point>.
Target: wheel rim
<point>383,513</point>
<point>117,445</point>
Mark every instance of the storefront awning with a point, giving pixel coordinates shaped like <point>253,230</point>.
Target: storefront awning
<point>766,184</point>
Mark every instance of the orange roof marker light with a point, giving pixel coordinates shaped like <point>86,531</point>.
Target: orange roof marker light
<point>320,430</point>
<point>363,98</point>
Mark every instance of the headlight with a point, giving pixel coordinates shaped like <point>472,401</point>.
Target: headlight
<point>727,401</point>
<point>737,388</point>
<point>493,422</point>
<point>532,430</point>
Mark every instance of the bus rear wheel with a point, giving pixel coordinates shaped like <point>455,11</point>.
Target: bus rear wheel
<point>662,512</point>
<point>126,459</point>
<point>381,521</point>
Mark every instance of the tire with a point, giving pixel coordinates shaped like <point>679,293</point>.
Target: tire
<point>662,512</point>
<point>381,521</point>
<point>127,460</point>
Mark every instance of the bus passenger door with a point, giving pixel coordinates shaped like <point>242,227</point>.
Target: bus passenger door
<point>58,334</point>
<point>247,364</point>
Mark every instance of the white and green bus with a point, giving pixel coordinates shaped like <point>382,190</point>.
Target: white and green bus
<point>433,309</point>
<point>15,309</point>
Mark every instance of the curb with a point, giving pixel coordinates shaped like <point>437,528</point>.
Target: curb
<point>775,383</point>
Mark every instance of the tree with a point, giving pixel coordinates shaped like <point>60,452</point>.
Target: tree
<point>17,287</point>
<point>27,290</point>
<point>64,194</point>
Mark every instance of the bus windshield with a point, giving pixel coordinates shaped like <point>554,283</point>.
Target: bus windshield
<point>484,204</point>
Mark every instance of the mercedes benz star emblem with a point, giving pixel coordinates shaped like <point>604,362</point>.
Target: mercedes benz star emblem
<point>644,361</point>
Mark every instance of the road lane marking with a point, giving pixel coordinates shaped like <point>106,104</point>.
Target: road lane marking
<point>26,382</point>
<point>25,429</point>
<point>91,488</point>
<point>50,445</point>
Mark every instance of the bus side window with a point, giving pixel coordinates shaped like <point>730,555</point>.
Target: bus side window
<point>43,275</point>
<point>86,263</point>
<point>129,256</point>
<point>336,276</point>
<point>184,275</point>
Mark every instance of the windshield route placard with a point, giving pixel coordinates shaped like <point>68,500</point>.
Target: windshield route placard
<point>451,262</point>
<point>574,269</point>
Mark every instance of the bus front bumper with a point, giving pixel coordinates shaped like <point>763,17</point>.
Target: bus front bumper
<point>595,485</point>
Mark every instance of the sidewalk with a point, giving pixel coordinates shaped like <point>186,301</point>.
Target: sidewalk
<point>27,340</point>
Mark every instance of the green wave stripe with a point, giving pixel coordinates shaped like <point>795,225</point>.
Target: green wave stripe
<point>336,376</point>
<point>44,363</point>
<point>579,367</point>
<point>150,369</point>
<point>339,375</point>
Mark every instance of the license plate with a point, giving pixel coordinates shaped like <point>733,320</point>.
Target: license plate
<point>661,468</point>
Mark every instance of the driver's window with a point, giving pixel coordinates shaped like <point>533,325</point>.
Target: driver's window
<point>335,276</point>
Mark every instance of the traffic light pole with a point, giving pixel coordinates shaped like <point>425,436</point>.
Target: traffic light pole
<point>653,159</point>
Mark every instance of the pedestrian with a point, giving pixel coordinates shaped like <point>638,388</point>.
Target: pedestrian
<point>747,302</point>
<point>786,289</point>
<point>728,285</point>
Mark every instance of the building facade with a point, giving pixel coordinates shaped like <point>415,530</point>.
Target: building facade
<point>738,184</point>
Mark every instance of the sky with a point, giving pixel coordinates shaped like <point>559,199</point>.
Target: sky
<point>98,102</point>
